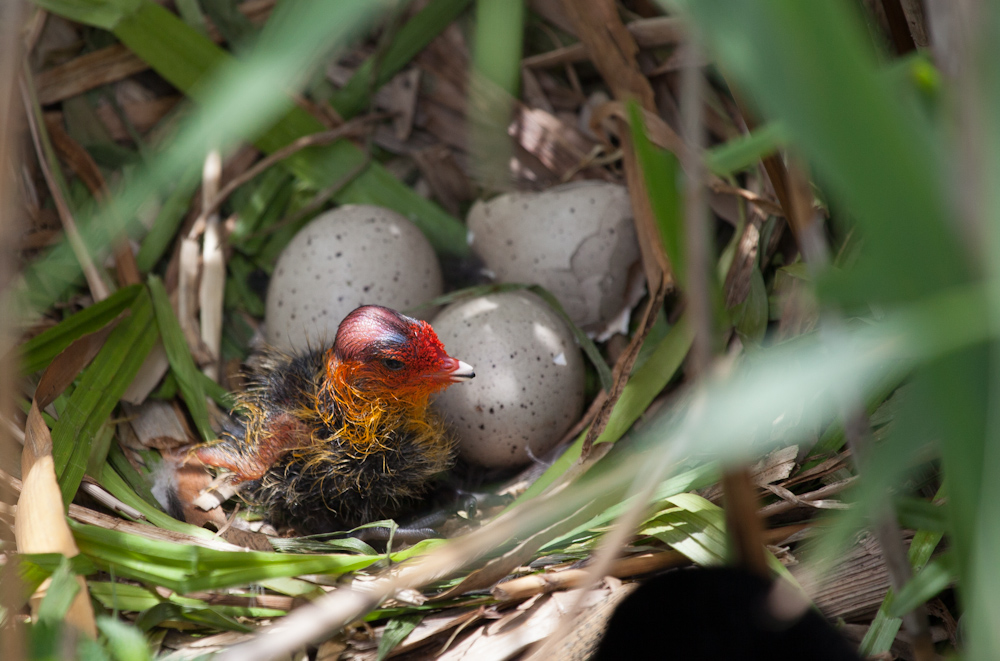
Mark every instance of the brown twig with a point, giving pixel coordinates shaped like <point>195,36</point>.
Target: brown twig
<point>768,206</point>
<point>648,33</point>
<point>811,499</point>
<point>568,579</point>
<point>98,288</point>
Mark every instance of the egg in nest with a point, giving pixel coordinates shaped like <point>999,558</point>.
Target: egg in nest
<point>351,256</point>
<point>529,388</point>
<point>577,240</point>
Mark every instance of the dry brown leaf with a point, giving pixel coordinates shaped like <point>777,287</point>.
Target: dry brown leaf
<point>531,90</point>
<point>737,284</point>
<point>65,367</point>
<point>40,523</point>
<point>86,72</point>
<point>399,97</point>
<point>506,638</point>
<point>151,372</point>
<point>816,499</point>
<point>448,182</point>
<point>554,12</point>
<point>560,147</point>
<point>157,425</point>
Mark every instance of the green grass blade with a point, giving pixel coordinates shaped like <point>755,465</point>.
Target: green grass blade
<point>649,381</point>
<point>168,221</point>
<point>927,584</point>
<point>920,514</point>
<point>662,174</point>
<point>181,362</point>
<point>33,568</point>
<point>100,447</point>
<point>395,631</point>
<point>235,28</point>
<point>98,392</point>
<point>750,317</point>
<point>493,87</point>
<point>102,14</point>
<point>124,641</point>
<point>120,489</point>
<point>187,568</point>
<point>59,595</point>
<point>884,627</point>
<point>190,11</point>
<point>695,478</point>
<point>810,66</point>
<point>136,483</point>
<point>746,151</point>
<point>258,205</point>
<point>220,395</point>
<point>239,294</point>
<point>412,38</point>
<point>39,351</point>
<point>694,527</point>
<point>208,618</point>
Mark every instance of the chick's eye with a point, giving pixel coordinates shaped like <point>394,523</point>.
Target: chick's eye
<point>393,364</point>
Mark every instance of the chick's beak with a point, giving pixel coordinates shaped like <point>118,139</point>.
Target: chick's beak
<point>458,370</point>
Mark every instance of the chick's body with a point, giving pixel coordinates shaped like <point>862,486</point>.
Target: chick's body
<point>331,439</point>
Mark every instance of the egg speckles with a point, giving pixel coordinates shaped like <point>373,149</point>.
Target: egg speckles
<point>576,240</point>
<point>351,256</point>
<point>528,389</point>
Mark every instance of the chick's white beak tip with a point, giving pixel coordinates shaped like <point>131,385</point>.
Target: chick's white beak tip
<point>463,372</point>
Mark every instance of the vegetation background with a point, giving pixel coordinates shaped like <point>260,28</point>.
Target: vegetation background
<point>811,187</point>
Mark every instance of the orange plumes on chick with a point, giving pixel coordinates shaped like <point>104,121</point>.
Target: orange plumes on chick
<point>335,438</point>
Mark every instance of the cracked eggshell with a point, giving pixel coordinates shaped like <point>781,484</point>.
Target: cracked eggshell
<point>354,255</point>
<point>576,240</point>
<point>528,389</point>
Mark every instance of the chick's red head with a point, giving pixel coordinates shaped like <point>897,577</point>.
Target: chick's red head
<point>379,348</point>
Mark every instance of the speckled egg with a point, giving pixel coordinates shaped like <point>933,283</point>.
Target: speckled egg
<point>528,389</point>
<point>577,240</point>
<point>351,256</point>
